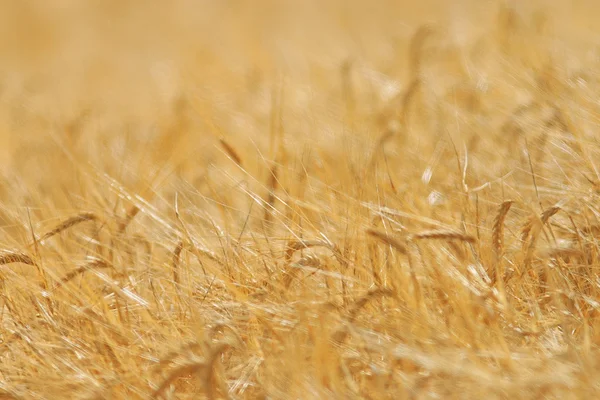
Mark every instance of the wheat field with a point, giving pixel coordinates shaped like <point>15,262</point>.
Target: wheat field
<point>340,199</point>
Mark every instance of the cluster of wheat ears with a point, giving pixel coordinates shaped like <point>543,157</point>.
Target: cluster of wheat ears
<point>309,200</point>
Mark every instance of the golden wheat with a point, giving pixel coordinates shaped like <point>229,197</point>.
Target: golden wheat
<point>252,209</point>
<point>11,257</point>
<point>68,223</point>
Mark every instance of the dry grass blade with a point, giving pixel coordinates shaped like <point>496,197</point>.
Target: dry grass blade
<point>272,184</point>
<point>196,251</point>
<point>70,222</point>
<point>10,257</point>
<point>444,235</point>
<point>387,239</point>
<point>231,152</point>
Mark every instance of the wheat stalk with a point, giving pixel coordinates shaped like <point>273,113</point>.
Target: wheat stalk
<point>272,184</point>
<point>387,239</point>
<point>231,152</point>
<point>444,235</point>
<point>295,245</point>
<point>498,228</point>
<point>131,213</point>
<point>68,223</point>
<point>175,261</point>
<point>93,265</point>
<point>533,228</point>
<point>13,257</point>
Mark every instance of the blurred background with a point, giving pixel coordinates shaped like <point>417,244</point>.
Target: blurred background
<point>136,89</point>
<point>136,61</point>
